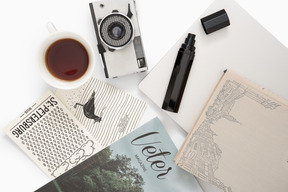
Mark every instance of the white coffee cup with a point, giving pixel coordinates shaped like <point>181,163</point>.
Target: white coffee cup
<point>54,80</point>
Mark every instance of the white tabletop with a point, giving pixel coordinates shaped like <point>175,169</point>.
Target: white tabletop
<point>23,27</point>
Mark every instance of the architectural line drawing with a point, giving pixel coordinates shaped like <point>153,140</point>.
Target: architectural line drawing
<point>202,155</point>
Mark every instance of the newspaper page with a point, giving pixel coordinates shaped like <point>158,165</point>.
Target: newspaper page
<point>239,142</point>
<point>107,112</point>
<point>51,136</point>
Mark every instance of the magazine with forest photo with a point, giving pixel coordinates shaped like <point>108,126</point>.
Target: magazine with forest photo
<point>140,161</point>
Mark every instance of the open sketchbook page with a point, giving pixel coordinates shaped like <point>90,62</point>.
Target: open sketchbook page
<point>107,112</point>
<point>50,135</point>
<point>140,161</point>
<point>239,143</point>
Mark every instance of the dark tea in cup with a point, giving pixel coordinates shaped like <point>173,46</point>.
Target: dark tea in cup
<point>67,59</point>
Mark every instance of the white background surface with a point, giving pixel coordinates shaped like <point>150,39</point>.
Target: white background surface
<point>23,28</point>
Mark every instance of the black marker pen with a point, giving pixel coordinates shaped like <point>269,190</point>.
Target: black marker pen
<point>180,75</point>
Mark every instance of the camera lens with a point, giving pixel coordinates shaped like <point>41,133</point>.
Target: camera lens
<point>116,30</point>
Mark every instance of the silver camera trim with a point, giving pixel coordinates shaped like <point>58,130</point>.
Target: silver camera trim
<point>128,42</point>
<point>118,58</point>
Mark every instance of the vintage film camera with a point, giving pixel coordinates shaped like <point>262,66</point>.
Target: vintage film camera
<point>118,35</point>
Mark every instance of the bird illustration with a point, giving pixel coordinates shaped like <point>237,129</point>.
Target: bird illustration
<point>89,108</point>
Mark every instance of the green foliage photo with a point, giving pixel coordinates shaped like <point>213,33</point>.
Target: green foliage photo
<point>102,173</point>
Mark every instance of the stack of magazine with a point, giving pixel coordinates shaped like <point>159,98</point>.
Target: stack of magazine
<point>86,139</point>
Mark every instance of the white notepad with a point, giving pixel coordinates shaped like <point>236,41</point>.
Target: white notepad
<point>244,47</point>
